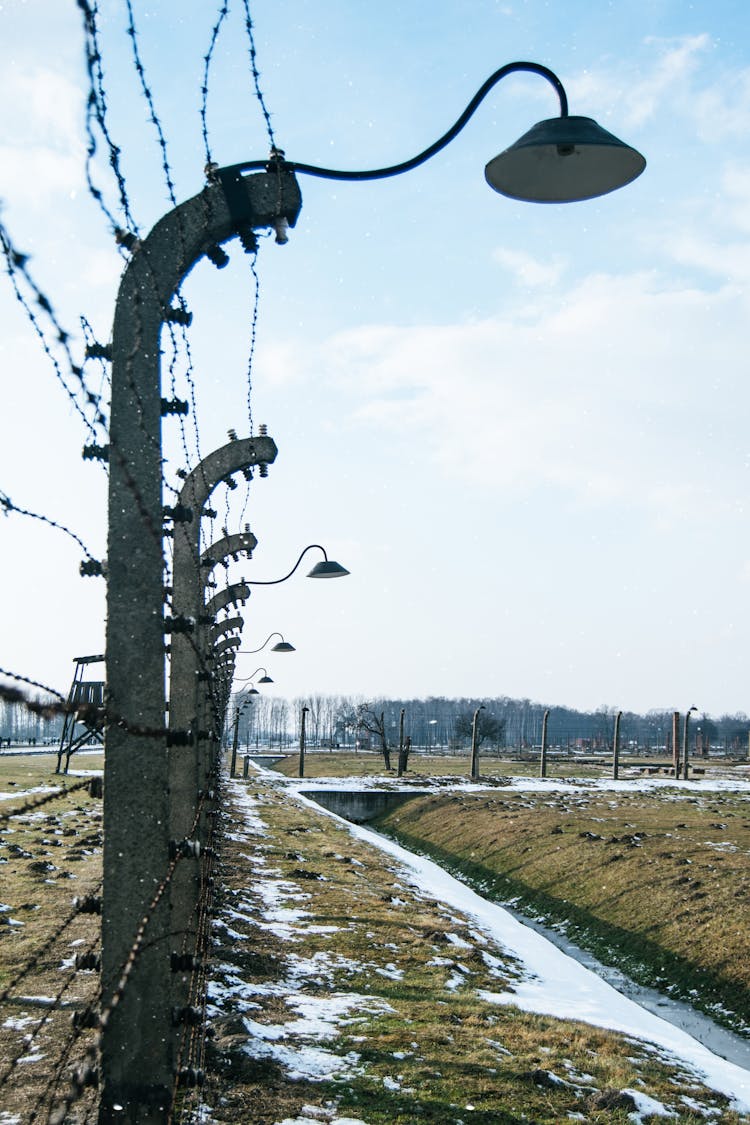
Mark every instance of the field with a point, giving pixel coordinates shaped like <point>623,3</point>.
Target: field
<point>338,989</point>
<point>50,853</point>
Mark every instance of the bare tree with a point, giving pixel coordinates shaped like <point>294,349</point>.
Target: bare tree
<point>489,727</point>
<point>374,723</point>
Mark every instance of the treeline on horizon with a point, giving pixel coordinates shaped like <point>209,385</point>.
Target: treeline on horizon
<point>432,723</point>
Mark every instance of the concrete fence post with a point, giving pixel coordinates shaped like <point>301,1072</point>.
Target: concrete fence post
<point>543,758</point>
<point>475,740</point>
<point>616,747</point>
<point>303,716</point>
<point>676,742</point>
<point>138,1064</point>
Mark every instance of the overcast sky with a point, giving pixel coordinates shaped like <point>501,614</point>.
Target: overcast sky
<point>523,428</point>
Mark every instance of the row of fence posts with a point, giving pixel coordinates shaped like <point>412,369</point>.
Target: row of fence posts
<point>160,777</point>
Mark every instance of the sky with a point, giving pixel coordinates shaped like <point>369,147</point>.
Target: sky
<point>522,428</point>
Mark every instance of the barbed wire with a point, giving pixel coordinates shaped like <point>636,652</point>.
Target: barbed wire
<point>14,695</point>
<point>17,264</point>
<point>33,963</point>
<point>84,712</point>
<point>191,1049</point>
<point>146,91</point>
<point>8,506</point>
<point>223,11</point>
<point>81,1078</point>
<point>91,341</point>
<point>138,941</point>
<point>44,1019</point>
<point>96,110</point>
<point>31,806</point>
<point>256,74</point>
<point>253,338</point>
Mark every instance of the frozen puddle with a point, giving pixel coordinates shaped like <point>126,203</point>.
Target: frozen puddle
<point>554,983</point>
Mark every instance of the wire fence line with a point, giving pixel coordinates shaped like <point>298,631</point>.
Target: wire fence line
<point>73,1075</point>
<point>190,954</point>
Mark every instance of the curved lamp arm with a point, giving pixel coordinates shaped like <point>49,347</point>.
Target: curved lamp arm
<point>282,646</point>
<point>326,569</point>
<point>277,157</point>
<point>536,169</point>
<point>265,678</point>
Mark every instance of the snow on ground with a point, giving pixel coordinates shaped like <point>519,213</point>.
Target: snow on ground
<point>17,794</point>
<point>294,1043</point>
<point>589,785</point>
<point>551,982</point>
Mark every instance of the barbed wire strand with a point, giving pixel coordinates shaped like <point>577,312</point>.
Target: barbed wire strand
<point>31,806</point>
<point>207,58</point>
<point>192,1041</point>
<point>96,109</point>
<point>256,74</point>
<point>146,90</point>
<point>58,1110</point>
<point>40,953</point>
<point>44,1019</point>
<point>16,263</point>
<point>8,506</point>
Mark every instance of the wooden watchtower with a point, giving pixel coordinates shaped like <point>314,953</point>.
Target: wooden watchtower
<point>80,729</point>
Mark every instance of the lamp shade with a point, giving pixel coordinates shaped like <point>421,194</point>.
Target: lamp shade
<point>283,646</point>
<point>265,680</point>
<point>328,569</point>
<point>563,160</point>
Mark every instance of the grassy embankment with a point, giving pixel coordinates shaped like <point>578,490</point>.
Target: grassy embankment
<point>655,884</point>
<point>658,885</point>
<point>418,1041</point>
<point>346,763</point>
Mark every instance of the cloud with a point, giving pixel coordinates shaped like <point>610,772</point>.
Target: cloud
<point>671,65</point>
<point>623,393</point>
<point>529,271</point>
<point>41,146</point>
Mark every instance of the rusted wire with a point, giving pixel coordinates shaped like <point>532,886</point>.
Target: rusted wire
<point>30,806</point>
<point>40,953</point>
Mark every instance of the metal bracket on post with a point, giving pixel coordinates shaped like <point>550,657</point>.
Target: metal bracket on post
<point>239,207</point>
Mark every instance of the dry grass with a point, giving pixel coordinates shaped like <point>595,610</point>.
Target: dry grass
<point>347,763</point>
<point>658,884</point>
<point>48,856</point>
<point>437,1052</point>
<point>424,1052</point>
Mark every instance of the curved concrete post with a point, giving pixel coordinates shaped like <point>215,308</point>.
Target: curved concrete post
<point>230,625</point>
<point>227,643</point>
<point>242,543</point>
<point>188,580</point>
<point>236,593</point>
<point>137,1061</point>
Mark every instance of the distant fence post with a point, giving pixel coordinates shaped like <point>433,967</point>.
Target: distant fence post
<point>401,744</point>
<point>474,772</point>
<point>676,742</point>
<point>543,760</point>
<point>616,747</point>
<point>303,716</point>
